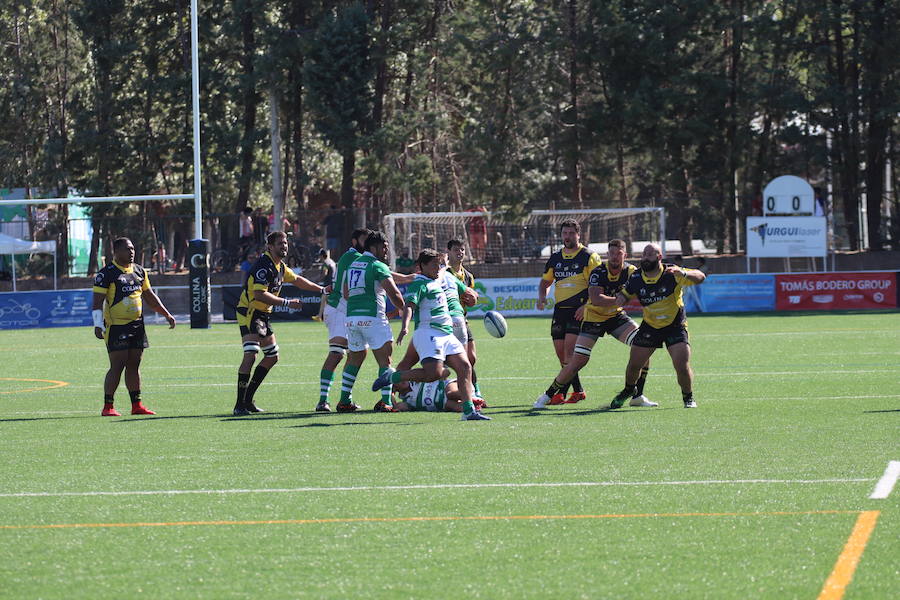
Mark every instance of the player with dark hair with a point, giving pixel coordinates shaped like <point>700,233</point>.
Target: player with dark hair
<point>123,286</point>
<point>335,317</point>
<point>433,336</point>
<point>659,288</point>
<point>456,253</point>
<point>604,283</point>
<point>261,293</point>
<point>569,269</point>
<point>367,282</point>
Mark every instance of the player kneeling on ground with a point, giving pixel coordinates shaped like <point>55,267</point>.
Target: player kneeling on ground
<point>123,285</point>
<point>433,336</point>
<point>659,289</point>
<point>261,293</point>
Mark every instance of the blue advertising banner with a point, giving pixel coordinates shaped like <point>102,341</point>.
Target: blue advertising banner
<point>732,293</point>
<point>58,308</point>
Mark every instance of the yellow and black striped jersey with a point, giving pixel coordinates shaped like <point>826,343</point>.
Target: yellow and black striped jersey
<point>611,285</point>
<point>466,277</point>
<point>660,296</point>
<point>570,271</point>
<point>265,276</point>
<point>122,287</point>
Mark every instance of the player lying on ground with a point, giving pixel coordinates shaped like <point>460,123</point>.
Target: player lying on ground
<point>604,283</point>
<point>659,288</point>
<point>261,292</point>
<point>122,285</point>
<point>433,336</point>
<point>434,396</point>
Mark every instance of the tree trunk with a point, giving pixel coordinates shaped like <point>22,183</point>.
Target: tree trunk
<point>352,219</point>
<point>575,138</point>
<point>879,123</point>
<point>251,102</point>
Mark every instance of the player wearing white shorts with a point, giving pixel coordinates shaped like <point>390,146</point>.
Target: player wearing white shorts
<point>367,282</point>
<point>335,317</point>
<point>433,336</point>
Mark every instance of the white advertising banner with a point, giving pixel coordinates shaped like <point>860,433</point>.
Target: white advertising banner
<point>512,297</point>
<point>786,236</point>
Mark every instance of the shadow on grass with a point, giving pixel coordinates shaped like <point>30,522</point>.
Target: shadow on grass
<point>346,423</point>
<point>13,420</point>
<point>882,411</point>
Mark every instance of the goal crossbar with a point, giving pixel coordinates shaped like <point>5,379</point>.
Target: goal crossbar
<point>93,199</point>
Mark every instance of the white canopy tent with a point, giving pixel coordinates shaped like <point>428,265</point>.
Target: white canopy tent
<point>12,246</point>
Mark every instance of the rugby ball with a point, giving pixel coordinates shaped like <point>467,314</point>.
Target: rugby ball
<point>495,323</point>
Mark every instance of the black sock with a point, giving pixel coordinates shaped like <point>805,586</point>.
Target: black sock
<point>639,388</point>
<point>687,396</point>
<point>243,378</point>
<point>564,388</point>
<point>108,398</point>
<point>628,389</point>
<point>474,376</point>
<point>554,388</point>
<point>576,384</point>
<point>258,375</point>
<point>135,396</point>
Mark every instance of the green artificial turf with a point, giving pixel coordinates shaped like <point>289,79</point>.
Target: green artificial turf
<point>753,494</point>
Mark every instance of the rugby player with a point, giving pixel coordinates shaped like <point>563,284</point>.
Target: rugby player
<point>659,287</point>
<point>433,336</point>
<point>456,253</point>
<point>335,317</point>
<point>569,269</point>
<point>123,286</point>
<point>434,396</point>
<point>604,283</point>
<point>262,292</point>
<point>367,281</point>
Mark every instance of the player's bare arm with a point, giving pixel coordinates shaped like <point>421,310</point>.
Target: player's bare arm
<point>272,300</point>
<point>156,305</point>
<point>469,297</point>
<point>305,284</point>
<point>692,275</point>
<point>403,278</point>
<point>407,313</point>
<point>543,286</point>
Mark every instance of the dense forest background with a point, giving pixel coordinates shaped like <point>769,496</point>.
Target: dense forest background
<point>399,105</point>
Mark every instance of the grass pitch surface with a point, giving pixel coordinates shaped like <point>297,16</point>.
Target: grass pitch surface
<point>753,494</point>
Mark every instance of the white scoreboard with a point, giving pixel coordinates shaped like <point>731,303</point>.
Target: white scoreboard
<point>789,195</point>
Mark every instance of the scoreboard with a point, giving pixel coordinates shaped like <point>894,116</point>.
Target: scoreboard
<point>788,195</point>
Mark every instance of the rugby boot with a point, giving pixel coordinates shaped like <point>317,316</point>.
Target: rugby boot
<point>380,406</point>
<point>253,408</point>
<point>479,404</point>
<point>690,403</point>
<point>240,410</point>
<point>474,416</point>
<point>642,401</point>
<point>347,407</point>
<point>383,380</point>
<point>109,411</point>
<point>542,401</point>
<point>323,407</point>
<point>576,397</point>
<point>140,409</point>
<point>621,398</point>
<point>557,399</point>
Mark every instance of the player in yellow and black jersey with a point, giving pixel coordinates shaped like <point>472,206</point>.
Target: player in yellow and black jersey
<point>261,293</point>
<point>456,253</point>
<point>604,283</point>
<point>119,289</point>
<point>659,289</point>
<point>568,269</point>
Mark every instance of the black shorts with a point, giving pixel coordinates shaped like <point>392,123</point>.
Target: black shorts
<point>597,329</point>
<point>130,336</point>
<point>258,323</point>
<point>650,337</point>
<point>564,322</point>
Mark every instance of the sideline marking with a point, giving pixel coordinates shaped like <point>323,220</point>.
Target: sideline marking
<point>846,564</point>
<point>885,485</point>
<point>435,486</point>
<point>56,384</point>
<point>426,519</point>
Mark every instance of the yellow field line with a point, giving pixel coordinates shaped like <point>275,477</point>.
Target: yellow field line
<point>56,384</point>
<point>842,574</point>
<point>419,519</point>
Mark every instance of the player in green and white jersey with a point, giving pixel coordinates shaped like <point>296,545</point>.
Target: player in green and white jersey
<point>434,396</point>
<point>433,336</point>
<point>336,317</point>
<point>456,253</point>
<point>367,282</point>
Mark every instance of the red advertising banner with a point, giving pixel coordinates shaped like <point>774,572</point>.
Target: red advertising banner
<point>835,291</point>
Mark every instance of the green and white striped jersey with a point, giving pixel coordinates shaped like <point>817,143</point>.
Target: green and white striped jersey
<point>431,304</point>
<point>426,396</point>
<point>364,277</point>
<point>337,292</point>
<point>453,287</point>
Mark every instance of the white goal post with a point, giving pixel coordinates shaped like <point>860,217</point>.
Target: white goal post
<point>492,239</point>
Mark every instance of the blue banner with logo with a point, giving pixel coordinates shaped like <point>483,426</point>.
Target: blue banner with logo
<point>732,293</point>
<point>58,308</point>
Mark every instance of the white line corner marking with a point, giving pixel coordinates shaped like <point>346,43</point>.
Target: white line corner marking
<point>886,484</point>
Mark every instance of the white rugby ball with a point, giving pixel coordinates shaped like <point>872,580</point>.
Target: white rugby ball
<point>495,323</point>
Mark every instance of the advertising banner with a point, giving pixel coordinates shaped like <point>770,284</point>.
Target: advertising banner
<point>62,308</point>
<point>835,291</point>
<point>231,295</point>
<point>786,236</point>
<point>198,275</point>
<point>733,293</point>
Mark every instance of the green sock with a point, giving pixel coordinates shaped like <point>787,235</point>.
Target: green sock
<point>325,378</point>
<point>386,390</point>
<point>477,390</point>
<point>348,379</point>
<point>468,407</point>
<point>395,377</point>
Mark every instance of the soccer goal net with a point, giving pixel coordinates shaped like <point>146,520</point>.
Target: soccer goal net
<point>493,239</point>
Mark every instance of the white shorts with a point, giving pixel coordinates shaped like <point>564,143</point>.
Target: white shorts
<point>335,321</point>
<point>460,330</point>
<point>365,333</point>
<point>431,343</point>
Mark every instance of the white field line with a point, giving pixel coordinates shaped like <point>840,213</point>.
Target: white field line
<point>436,486</point>
<point>885,485</point>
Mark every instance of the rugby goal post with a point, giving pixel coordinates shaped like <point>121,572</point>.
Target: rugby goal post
<point>492,239</point>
